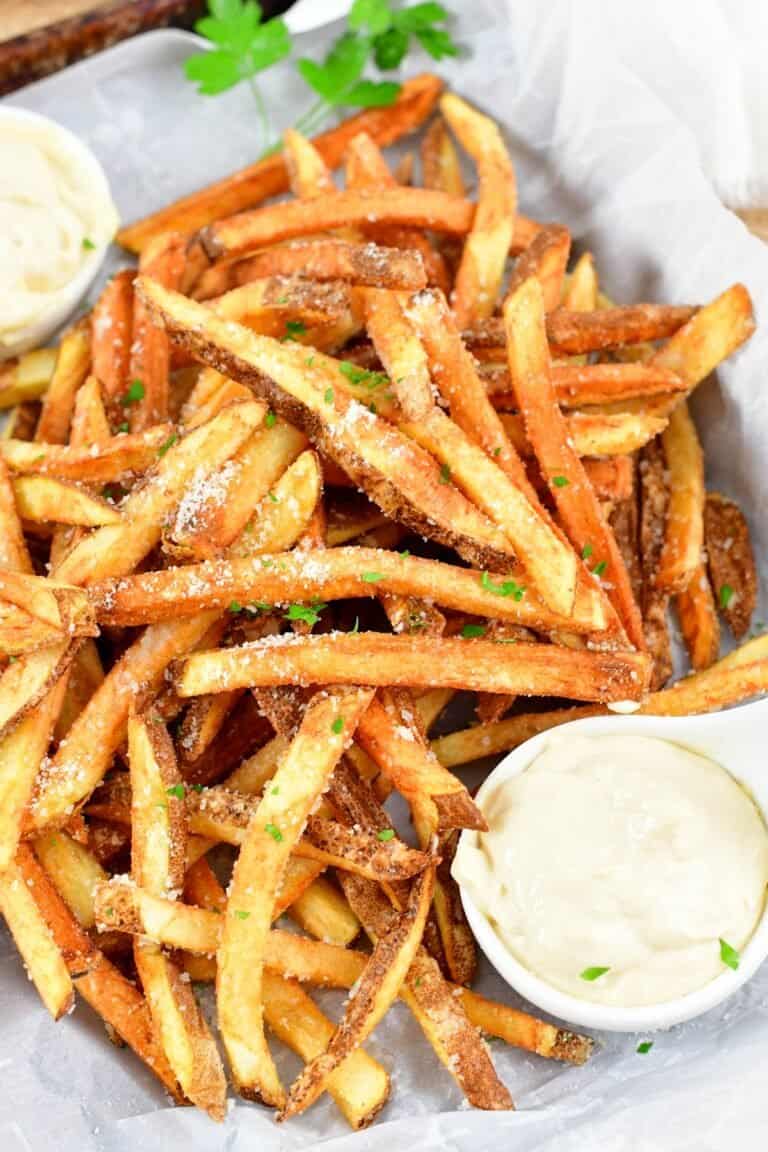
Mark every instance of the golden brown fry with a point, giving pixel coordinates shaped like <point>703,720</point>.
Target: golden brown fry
<point>400,351</point>
<point>698,620</point>
<point>595,434</point>
<point>684,533</point>
<point>71,369</point>
<point>269,177</point>
<point>573,333</point>
<point>560,464</point>
<point>321,910</point>
<point>162,260</point>
<point>272,833</point>
<point>43,499</point>
<point>111,331</point>
<point>731,561</point>
<point>57,604</point>
<point>502,736</point>
<point>546,258</point>
<point>371,999</point>
<point>282,578</point>
<point>307,170</point>
<point>111,461</point>
<point>654,502</point>
<point>524,1031</point>
<point>13,547</point>
<point>26,377</point>
<point>581,289</point>
<point>75,870</point>
<point>439,160</point>
<point>525,669</point>
<point>730,681</point>
<point>24,683</point>
<point>577,384</point>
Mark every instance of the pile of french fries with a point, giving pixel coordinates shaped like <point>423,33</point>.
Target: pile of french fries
<point>311,471</point>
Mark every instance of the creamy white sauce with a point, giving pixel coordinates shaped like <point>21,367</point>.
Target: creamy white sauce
<point>55,216</point>
<point>622,852</point>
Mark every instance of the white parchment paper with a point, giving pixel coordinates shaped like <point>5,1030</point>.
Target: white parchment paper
<point>597,149</point>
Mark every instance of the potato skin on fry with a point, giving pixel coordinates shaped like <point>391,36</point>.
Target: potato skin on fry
<point>731,561</point>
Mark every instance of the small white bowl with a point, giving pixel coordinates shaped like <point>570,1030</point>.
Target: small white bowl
<point>65,301</point>
<point>734,739</point>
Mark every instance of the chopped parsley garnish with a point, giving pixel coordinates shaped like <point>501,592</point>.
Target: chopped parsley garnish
<point>270,419</point>
<point>385,835</point>
<point>329,396</point>
<point>273,498</point>
<point>471,630</point>
<point>644,1047</point>
<point>729,955</point>
<point>405,553</point>
<point>337,725</point>
<point>274,832</point>
<point>241,915</point>
<point>309,613</point>
<point>560,481</point>
<point>176,790</point>
<point>357,375</point>
<point>372,577</point>
<point>445,474</point>
<point>136,392</point>
<point>12,659</point>
<point>506,588</point>
<point>168,444</point>
<point>88,244</point>
<point>124,427</point>
<point>356,626</point>
<point>309,361</point>
<point>599,569</point>
<point>196,787</point>
<point>497,451</point>
<point>586,551</point>
<point>726,595</point>
<point>294,328</point>
<point>591,974</point>
<point>275,790</point>
<point>234,607</point>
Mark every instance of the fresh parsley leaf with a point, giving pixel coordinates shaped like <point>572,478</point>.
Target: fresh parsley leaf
<point>726,595</point>
<point>445,474</point>
<point>337,725</point>
<point>340,71</point>
<point>241,915</point>
<point>586,551</point>
<point>469,631</point>
<point>437,42</point>
<point>560,481</point>
<point>644,1047</point>
<point>235,607</point>
<point>405,553</point>
<point>591,974</point>
<point>196,787</point>
<point>88,244</point>
<point>599,569</point>
<point>371,16</point>
<point>273,498</point>
<point>328,396</point>
<point>244,46</point>
<point>135,392</point>
<point>310,614</point>
<point>294,328</point>
<point>372,577</point>
<point>506,588</point>
<point>270,419</point>
<point>168,444</point>
<point>389,48</point>
<point>274,832</point>
<point>372,94</point>
<point>124,427</point>
<point>385,835</point>
<point>420,16</point>
<point>274,791</point>
<point>176,790</point>
<point>357,375</point>
<point>729,955</point>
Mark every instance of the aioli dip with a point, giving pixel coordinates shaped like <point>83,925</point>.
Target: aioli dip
<point>56,216</point>
<point>626,854</point>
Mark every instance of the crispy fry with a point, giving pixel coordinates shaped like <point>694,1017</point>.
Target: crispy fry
<point>594,434</point>
<point>525,669</point>
<point>684,533</point>
<point>480,272</point>
<point>560,464</point>
<point>729,681</point>
<point>577,384</point>
<point>581,289</point>
<point>321,910</point>
<point>524,1031</point>
<point>272,833</point>
<point>269,177</point>
<point>75,870</point>
<point>439,160</point>
<point>307,171</point>
<point>43,499</point>
<point>26,377</point>
<point>397,475</point>
<point>283,515</point>
<point>698,620</point>
<point>492,739</point>
<point>71,369</point>
<point>654,502</point>
<point>573,333</point>
<point>731,561</point>
<point>60,605</point>
<point>163,260</point>
<point>546,258</point>
<point>111,331</point>
<point>400,351</point>
<point>13,547</point>
<point>375,992</point>
<point>24,683</point>
<point>282,578</point>
<point>120,455</point>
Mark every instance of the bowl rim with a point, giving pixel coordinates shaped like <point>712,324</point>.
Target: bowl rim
<point>586,1013</point>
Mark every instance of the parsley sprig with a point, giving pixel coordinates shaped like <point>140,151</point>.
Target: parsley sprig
<point>378,32</point>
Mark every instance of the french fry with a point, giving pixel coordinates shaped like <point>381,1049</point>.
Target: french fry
<point>75,871</point>
<point>479,276</point>
<point>413,661</point>
<point>269,177</point>
<point>117,548</point>
<point>282,578</point>
<point>13,547</point>
<point>731,561</point>
<point>577,384</point>
<point>684,533</point>
<point>698,620</point>
<point>307,170</point>
<point>574,333</point>
<point>397,475</point>
<point>654,503</point>
<point>43,499</point>
<point>57,604</point>
<point>163,260</point>
<point>594,433</point>
<point>400,351</point>
<point>502,736</point>
<point>730,681</point>
<point>202,723</point>
<point>278,523</point>
<point>372,997</point>
<point>157,864</point>
<point>581,289</point>
<point>24,683</point>
<point>321,910</point>
<point>546,258</point>
<point>111,331</point>
<point>524,1031</point>
<point>26,377</point>
<point>120,455</point>
<point>71,369</point>
<point>21,422</point>
<point>43,960</point>
<point>21,755</point>
<point>272,833</point>
<point>440,166</point>
<point>560,464</point>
